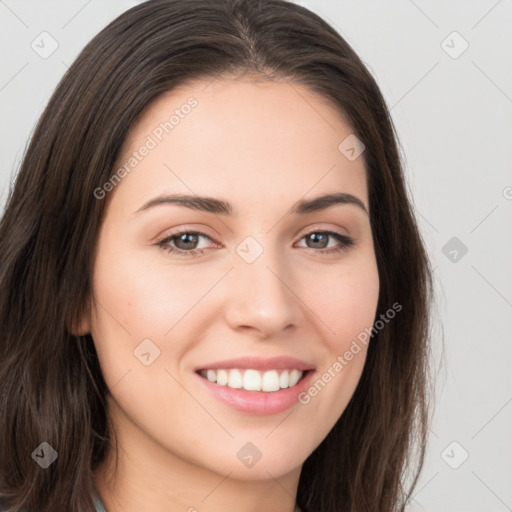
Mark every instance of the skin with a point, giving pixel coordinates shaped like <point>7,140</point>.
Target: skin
<point>261,146</point>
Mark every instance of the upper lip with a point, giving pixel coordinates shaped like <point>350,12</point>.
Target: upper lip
<point>256,363</point>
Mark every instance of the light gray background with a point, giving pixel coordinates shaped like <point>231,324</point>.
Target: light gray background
<point>453,114</point>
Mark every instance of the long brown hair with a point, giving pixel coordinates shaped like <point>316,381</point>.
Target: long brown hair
<point>52,386</point>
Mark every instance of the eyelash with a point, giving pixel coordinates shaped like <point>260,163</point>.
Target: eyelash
<point>345,243</point>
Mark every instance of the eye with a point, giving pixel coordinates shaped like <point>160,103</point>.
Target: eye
<point>319,240</point>
<point>185,243</point>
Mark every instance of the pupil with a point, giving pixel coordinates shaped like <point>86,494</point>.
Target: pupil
<point>315,236</point>
<point>187,238</point>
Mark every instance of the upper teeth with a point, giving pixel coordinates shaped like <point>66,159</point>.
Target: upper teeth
<point>254,380</point>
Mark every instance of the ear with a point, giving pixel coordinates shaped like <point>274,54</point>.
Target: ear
<point>81,325</point>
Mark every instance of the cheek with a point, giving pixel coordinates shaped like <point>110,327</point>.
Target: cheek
<point>140,298</point>
<point>345,300</point>
<point>135,307</point>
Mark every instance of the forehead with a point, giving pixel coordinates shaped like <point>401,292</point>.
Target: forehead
<point>263,140</point>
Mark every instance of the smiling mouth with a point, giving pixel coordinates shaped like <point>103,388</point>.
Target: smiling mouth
<point>254,380</point>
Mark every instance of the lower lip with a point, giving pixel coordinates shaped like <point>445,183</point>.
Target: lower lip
<point>259,402</point>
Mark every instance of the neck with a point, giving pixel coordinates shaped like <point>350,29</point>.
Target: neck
<point>149,477</point>
<point>134,490</point>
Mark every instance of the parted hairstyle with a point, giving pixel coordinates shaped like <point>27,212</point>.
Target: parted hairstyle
<point>52,388</point>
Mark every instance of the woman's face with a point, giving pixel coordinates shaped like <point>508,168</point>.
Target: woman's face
<point>273,293</point>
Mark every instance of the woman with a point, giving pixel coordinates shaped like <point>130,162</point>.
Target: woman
<point>277,363</point>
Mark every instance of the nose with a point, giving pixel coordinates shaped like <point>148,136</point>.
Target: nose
<point>261,297</point>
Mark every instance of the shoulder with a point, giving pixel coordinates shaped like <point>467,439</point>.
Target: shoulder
<point>97,503</point>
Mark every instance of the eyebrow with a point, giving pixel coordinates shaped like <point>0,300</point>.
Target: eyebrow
<point>218,206</point>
